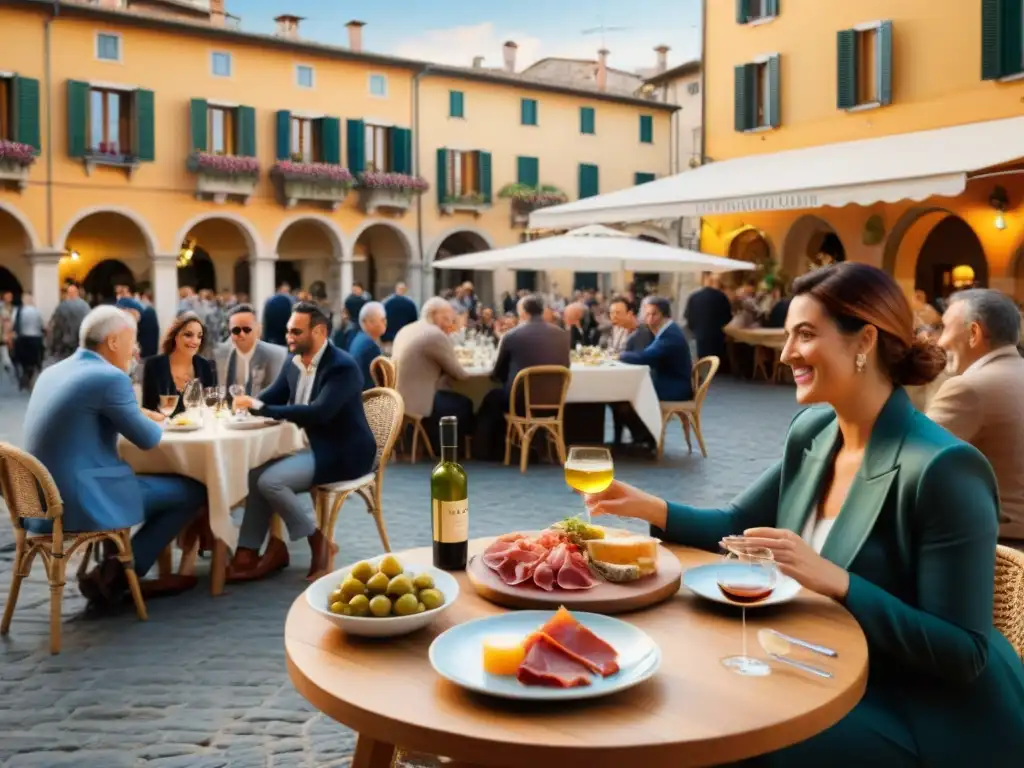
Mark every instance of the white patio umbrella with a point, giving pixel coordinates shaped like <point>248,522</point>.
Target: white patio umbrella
<point>594,249</point>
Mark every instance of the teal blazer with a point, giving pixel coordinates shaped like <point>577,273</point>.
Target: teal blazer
<point>917,534</point>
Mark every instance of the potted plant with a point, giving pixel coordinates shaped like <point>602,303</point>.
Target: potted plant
<point>15,160</point>
<point>316,182</point>
<point>526,198</point>
<point>392,191</point>
<point>220,176</point>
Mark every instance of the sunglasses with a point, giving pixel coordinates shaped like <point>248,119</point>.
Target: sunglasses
<point>240,329</point>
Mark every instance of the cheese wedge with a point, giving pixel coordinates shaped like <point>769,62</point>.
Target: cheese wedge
<point>641,551</point>
<point>502,656</point>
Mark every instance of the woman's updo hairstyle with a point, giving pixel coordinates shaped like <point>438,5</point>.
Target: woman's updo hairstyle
<point>855,295</point>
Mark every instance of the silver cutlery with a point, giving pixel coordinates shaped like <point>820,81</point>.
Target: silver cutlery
<point>801,666</point>
<point>820,649</point>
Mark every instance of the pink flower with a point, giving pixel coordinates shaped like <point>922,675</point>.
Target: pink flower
<point>394,182</point>
<point>223,165</point>
<point>322,173</point>
<point>17,153</point>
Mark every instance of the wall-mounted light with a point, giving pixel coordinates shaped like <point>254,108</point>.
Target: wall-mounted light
<point>1000,201</point>
<point>188,250</point>
<point>1000,221</point>
<point>963,276</point>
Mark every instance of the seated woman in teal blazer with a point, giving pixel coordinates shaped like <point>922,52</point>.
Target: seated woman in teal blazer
<point>905,518</point>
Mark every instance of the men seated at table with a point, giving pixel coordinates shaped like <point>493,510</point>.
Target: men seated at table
<point>365,346</point>
<point>424,355</point>
<point>246,360</point>
<point>668,358</point>
<point>533,342</point>
<point>319,390</point>
<point>581,326</point>
<point>628,333</point>
<point>78,410</point>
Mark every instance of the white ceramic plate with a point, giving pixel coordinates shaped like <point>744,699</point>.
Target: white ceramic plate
<point>193,427</point>
<point>457,655</point>
<point>392,626</point>
<point>703,580</point>
<point>253,423</point>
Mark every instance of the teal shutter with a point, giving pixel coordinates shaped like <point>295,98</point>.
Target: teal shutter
<point>991,39</point>
<point>26,111</point>
<point>442,175</point>
<point>401,151</point>
<point>456,104</point>
<point>528,111</point>
<point>774,101</point>
<point>646,129</point>
<point>642,178</point>
<point>885,63</point>
<point>846,69</point>
<point>486,184</point>
<point>355,132</point>
<point>330,139</point>
<point>78,118</point>
<point>587,120</point>
<point>284,134</point>
<point>742,11</point>
<point>771,7</point>
<point>528,171</point>
<point>744,97</point>
<point>197,114</point>
<point>144,140</point>
<point>245,132</point>
<point>1012,38</point>
<point>588,181</point>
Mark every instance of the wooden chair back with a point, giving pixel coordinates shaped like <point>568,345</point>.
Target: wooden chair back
<point>541,389</point>
<point>384,409</point>
<point>1008,606</point>
<point>383,371</point>
<point>28,488</point>
<point>701,375</point>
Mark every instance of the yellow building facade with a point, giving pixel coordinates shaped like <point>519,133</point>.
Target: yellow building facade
<point>156,139</point>
<point>802,73</point>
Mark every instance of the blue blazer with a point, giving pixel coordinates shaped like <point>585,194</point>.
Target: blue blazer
<point>363,350</point>
<point>401,311</point>
<point>149,332</point>
<point>77,410</point>
<point>276,312</point>
<point>343,446</point>
<point>668,357</point>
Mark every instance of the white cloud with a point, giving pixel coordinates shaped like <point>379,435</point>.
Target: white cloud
<point>629,50</point>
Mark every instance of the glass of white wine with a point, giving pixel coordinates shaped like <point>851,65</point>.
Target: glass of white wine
<point>167,404</point>
<point>589,470</point>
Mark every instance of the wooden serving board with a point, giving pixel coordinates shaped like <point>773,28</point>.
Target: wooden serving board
<point>604,597</point>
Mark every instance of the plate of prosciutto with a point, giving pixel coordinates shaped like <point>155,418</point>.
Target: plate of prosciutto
<point>545,655</point>
<point>582,566</point>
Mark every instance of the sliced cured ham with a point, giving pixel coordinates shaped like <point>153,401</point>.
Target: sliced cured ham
<point>547,664</point>
<point>579,643</point>
<point>544,576</point>
<point>549,559</point>
<point>574,573</point>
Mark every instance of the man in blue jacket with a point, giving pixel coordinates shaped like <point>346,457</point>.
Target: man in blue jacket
<point>401,311</point>
<point>276,312</point>
<point>365,346</point>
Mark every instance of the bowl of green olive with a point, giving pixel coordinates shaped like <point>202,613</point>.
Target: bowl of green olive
<point>382,597</point>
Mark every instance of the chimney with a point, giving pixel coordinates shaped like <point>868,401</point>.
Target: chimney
<point>355,35</point>
<point>662,51</point>
<point>478,62</point>
<point>288,26</point>
<point>602,69</point>
<point>510,56</point>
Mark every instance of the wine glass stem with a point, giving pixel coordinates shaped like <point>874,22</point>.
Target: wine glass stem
<point>586,510</point>
<point>743,615</point>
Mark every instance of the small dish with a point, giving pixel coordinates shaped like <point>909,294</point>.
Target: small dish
<point>703,581</point>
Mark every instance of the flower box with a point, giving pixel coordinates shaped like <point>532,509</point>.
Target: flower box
<point>15,160</point>
<point>110,155</point>
<point>224,176</point>
<point>475,204</point>
<point>526,199</point>
<point>325,183</point>
<point>388,191</point>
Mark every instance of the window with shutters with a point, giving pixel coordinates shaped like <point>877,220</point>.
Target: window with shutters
<point>463,174</point>
<point>757,94</point>
<point>306,144</point>
<point>6,108</point>
<point>378,149</point>
<point>528,111</point>
<point>220,64</point>
<point>110,121</point>
<point>588,121</point>
<point>864,66</point>
<point>1002,39</point>
<point>303,76</point>
<point>456,104</point>
<point>693,88</point>
<point>753,11</point>
<point>108,46</point>
<point>220,129</point>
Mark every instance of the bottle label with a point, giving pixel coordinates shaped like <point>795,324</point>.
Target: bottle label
<point>451,521</point>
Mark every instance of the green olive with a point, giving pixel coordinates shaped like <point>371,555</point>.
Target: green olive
<point>362,571</point>
<point>337,596</point>
<point>352,587</point>
<point>423,581</point>
<point>377,584</point>
<point>420,607</point>
<point>360,605</point>
<point>390,566</point>
<point>406,605</point>
<point>338,607</point>
<point>400,585</point>
<point>431,598</point>
<point>380,606</point>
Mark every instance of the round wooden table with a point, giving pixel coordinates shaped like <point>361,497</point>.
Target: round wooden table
<point>694,712</point>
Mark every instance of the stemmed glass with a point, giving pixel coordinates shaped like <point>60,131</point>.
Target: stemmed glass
<point>211,397</point>
<point>192,397</point>
<point>747,575</point>
<point>237,390</point>
<point>167,404</point>
<point>589,470</point>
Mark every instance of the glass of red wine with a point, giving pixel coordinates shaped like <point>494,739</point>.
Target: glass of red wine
<point>747,575</point>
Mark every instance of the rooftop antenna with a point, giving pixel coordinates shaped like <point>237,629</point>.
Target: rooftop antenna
<point>603,29</point>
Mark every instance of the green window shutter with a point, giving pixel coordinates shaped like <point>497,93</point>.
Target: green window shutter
<point>245,132</point>
<point>26,111</point>
<point>1012,38</point>
<point>742,11</point>
<point>284,134</point>
<point>528,171</point>
<point>528,110</point>
<point>401,150</point>
<point>355,132</point>
<point>991,39</point>
<point>144,140</point>
<point>442,175</point>
<point>78,118</point>
<point>197,115</point>
<point>771,7</point>
<point>642,178</point>
<point>588,181</point>
<point>330,139</point>
<point>456,104</point>
<point>744,96</point>
<point>646,129</point>
<point>885,63</point>
<point>846,69</point>
<point>587,120</point>
<point>486,184</point>
<point>774,99</point>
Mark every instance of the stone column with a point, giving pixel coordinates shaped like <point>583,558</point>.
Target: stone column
<point>347,279</point>
<point>261,270</point>
<point>165,288</point>
<point>414,280</point>
<point>45,285</point>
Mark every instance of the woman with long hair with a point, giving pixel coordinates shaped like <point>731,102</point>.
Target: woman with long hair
<point>879,508</point>
<point>178,364</point>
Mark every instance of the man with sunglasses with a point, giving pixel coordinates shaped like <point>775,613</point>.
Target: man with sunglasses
<point>246,360</point>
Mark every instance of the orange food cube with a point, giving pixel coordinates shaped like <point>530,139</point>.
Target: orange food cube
<point>502,656</point>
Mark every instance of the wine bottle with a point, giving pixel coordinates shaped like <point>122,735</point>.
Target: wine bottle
<point>449,498</point>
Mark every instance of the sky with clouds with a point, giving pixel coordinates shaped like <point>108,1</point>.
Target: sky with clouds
<point>454,31</point>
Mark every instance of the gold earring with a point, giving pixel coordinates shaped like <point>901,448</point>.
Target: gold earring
<point>862,362</point>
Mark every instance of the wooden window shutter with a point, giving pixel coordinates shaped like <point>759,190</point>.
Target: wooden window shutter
<point>642,178</point>
<point>742,11</point>
<point>991,48</point>
<point>646,129</point>
<point>774,93</point>
<point>771,7</point>
<point>197,113</point>
<point>245,132</point>
<point>355,133</point>
<point>587,120</point>
<point>144,140</point>
<point>456,104</point>
<point>330,139</point>
<point>284,134</point>
<point>846,68</point>
<point>744,97</point>
<point>885,63</point>
<point>588,180</point>
<point>528,171</point>
<point>401,150</point>
<point>442,175</point>
<point>1012,38</point>
<point>78,118</point>
<point>486,182</point>
<point>26,111</point>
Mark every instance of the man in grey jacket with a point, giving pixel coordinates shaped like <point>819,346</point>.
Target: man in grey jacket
<point>246,360</point>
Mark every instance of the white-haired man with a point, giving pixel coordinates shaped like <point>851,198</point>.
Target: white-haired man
<point>77,411</point>
<point>425,355</point>
<point>365,346</point>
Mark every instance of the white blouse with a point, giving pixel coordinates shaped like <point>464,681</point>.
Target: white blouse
<point>816,532</point>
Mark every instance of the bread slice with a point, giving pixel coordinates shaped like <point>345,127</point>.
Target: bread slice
<point>635,550</point>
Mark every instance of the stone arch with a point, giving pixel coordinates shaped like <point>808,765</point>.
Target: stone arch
<point>806,238</point>
<point>253,242</point>
<point>326,225</point>
<point>483,236</point>
<point>902,246</point>
<point>381,253</point>
<point>98,283</point>
<point>951,243</point>
<point>16,239</point>
<point>455,242</point>
<point>308,248</point>
<point>101,234</point>
<point>217,239</point>
<point>145,230</point>
<point>26,225</point>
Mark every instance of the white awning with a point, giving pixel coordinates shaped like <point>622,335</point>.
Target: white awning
<point>907,166</point>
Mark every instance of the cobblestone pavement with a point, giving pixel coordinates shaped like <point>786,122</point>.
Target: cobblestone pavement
<point>203,684</point>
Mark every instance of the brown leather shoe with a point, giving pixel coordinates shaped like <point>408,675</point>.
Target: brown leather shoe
<point>244,561</point>
<point>274,559</point>
<point>167,586</point>
<point>320,550</point>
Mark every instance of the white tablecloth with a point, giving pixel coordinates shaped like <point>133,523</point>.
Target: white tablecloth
<point>219,458</point>
<point>610,382</point>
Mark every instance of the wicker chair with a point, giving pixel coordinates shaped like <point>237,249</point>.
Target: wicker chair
<point>384,410</point>
<point>688,411</point>
<point>522,428</point>
<point>1008,608</point>
<point>30,492</point>
<point>383,371</point>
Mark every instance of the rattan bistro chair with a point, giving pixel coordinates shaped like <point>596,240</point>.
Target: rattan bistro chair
<point>548,416</point>
<point>30,492</point>
<point>688,411</point>
<point>1008,607</point>
<point>384,410</point>
<point>383,371</point>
